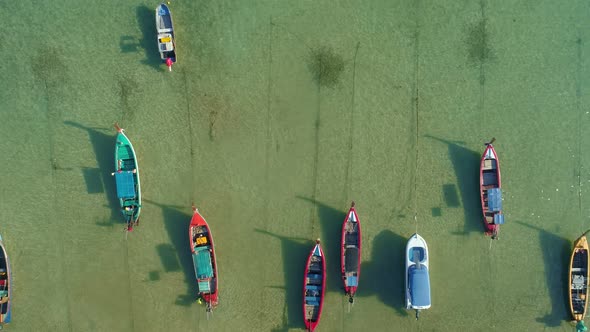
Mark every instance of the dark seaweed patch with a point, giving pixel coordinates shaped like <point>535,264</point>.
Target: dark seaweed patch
<point>326,66</point>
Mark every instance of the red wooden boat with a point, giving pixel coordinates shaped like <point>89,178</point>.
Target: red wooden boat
<point>350,253</point>
<point>314,287</point>
<point>490,188</point>
<point>201,242</point>
<point>5,287</point>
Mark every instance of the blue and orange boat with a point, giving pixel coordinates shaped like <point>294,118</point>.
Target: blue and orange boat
<point>203,252</point>
<point>490,188</point>
<point>350,253</point>
<point>5,287</point>
<point>314,287</point>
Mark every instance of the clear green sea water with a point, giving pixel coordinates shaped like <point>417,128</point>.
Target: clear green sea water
<point>277,115</point>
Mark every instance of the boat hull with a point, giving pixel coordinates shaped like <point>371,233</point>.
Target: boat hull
<point>204,260</point>
<point>5,287</point>
<point>490,184</point>
<point>578,279</point>
<point>350,252</point>
<point>127,179</point>
<point>314,287</point>
<point>166,36</point>
<point>417,278</point>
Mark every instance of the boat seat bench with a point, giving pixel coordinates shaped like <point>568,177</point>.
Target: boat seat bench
<point>124,152</point>
<point>312,300</point>
<point>315,267</point>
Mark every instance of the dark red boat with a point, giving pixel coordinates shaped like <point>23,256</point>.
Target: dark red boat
<point>350,253</point>
<point>490,187</point>
<point>314,287</point>
<point>201,242</point>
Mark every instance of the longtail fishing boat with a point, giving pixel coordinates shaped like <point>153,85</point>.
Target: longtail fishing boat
<point>578,279</point>
<point>314,287</point>
<point>417,275</point>
<point>350,253</point>
<point>490,189</point>
<point>127,179</point>
<point>203,252</point>
<point>5,287</point>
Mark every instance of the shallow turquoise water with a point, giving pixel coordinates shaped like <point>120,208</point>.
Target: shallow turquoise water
<point>272,152</point>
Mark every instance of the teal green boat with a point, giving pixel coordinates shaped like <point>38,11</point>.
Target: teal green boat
<point>127,179</point>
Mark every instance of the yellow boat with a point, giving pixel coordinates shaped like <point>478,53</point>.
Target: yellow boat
<point>578,279</point>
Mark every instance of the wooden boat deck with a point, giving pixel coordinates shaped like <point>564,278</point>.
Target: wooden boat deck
<point>312,312</point>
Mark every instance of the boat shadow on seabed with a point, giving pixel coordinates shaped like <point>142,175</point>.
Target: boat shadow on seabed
<point>330,221</point>
<point>383,275</point>
<point>99,180</point>
<point>293,250</point>
<point>146,21</point>
<point>466,165</point>
<point>556,251</point>
<point>148,41</point>
<point>179,256</point>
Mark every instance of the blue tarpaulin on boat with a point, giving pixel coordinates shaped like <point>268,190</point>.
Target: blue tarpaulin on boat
<point>351,281</point>
<point>125,184</point>
<point>203,264</point>
<point>312,300</point>
<point>495,200</point>
<point>419,283</point>
<point>204,286</point>
<point>498,219</point>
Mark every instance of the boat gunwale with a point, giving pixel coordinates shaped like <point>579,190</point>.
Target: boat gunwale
<point>127,142</point>
<point>350,290</point>
<point>579,243</point>
<point>489,228</point>
<point>311,325</point>
<point>197,220</point>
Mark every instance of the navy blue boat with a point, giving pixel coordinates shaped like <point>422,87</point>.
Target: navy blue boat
<point>166,38</point>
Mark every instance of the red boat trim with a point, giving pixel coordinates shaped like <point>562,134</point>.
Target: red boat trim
<point>198,220</point>
<point>490,229</point>
<point>309,325</point>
